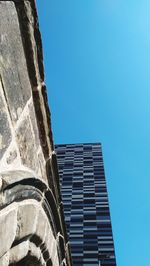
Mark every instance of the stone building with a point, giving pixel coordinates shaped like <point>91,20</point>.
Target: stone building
<point>32,229</point>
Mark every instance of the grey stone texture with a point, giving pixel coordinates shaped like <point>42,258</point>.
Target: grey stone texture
<point>13,62</point>
<point>5,139</point>
<point>31,216</point>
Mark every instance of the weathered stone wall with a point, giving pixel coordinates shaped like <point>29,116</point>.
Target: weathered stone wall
<point>32,229</point>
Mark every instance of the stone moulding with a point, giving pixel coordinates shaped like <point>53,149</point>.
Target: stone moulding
<point>29,224</point>
<point>32,227</point>
<point>32,43</point>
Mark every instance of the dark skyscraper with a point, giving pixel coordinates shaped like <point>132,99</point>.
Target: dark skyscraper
<point>86,206</point>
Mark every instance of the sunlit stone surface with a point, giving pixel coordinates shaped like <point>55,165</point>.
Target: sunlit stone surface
<point>32,230</point>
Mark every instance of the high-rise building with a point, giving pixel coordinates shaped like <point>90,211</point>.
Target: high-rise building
<point>86,206</point>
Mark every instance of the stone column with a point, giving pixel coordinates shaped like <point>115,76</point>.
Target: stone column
<point>32,229</point>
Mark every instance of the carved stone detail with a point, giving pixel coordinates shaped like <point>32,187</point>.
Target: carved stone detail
<point>32,228</point>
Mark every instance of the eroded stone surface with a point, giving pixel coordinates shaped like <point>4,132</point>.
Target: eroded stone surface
<point>26,144</point>
<point>18,252</point>
<point>5,131</point>
<point>12,156</point>
<point>12,60</point>
<point>8,226</point>
<point>28,218</point>
<point>34,124</point>
<point>4,260</point>
<point>42,165</point>
<point>42,226</point>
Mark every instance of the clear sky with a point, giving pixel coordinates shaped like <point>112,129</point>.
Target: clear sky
<point>97,64</point>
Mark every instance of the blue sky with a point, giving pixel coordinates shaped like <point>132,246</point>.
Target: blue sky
<point>97,65</point>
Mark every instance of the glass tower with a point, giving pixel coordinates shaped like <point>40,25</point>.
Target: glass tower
<point>86,206</point>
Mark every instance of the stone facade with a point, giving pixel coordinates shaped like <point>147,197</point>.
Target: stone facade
<point>32,229</point>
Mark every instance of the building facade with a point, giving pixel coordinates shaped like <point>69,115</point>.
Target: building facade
<point>32,227</point>
<point>86,206</point>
